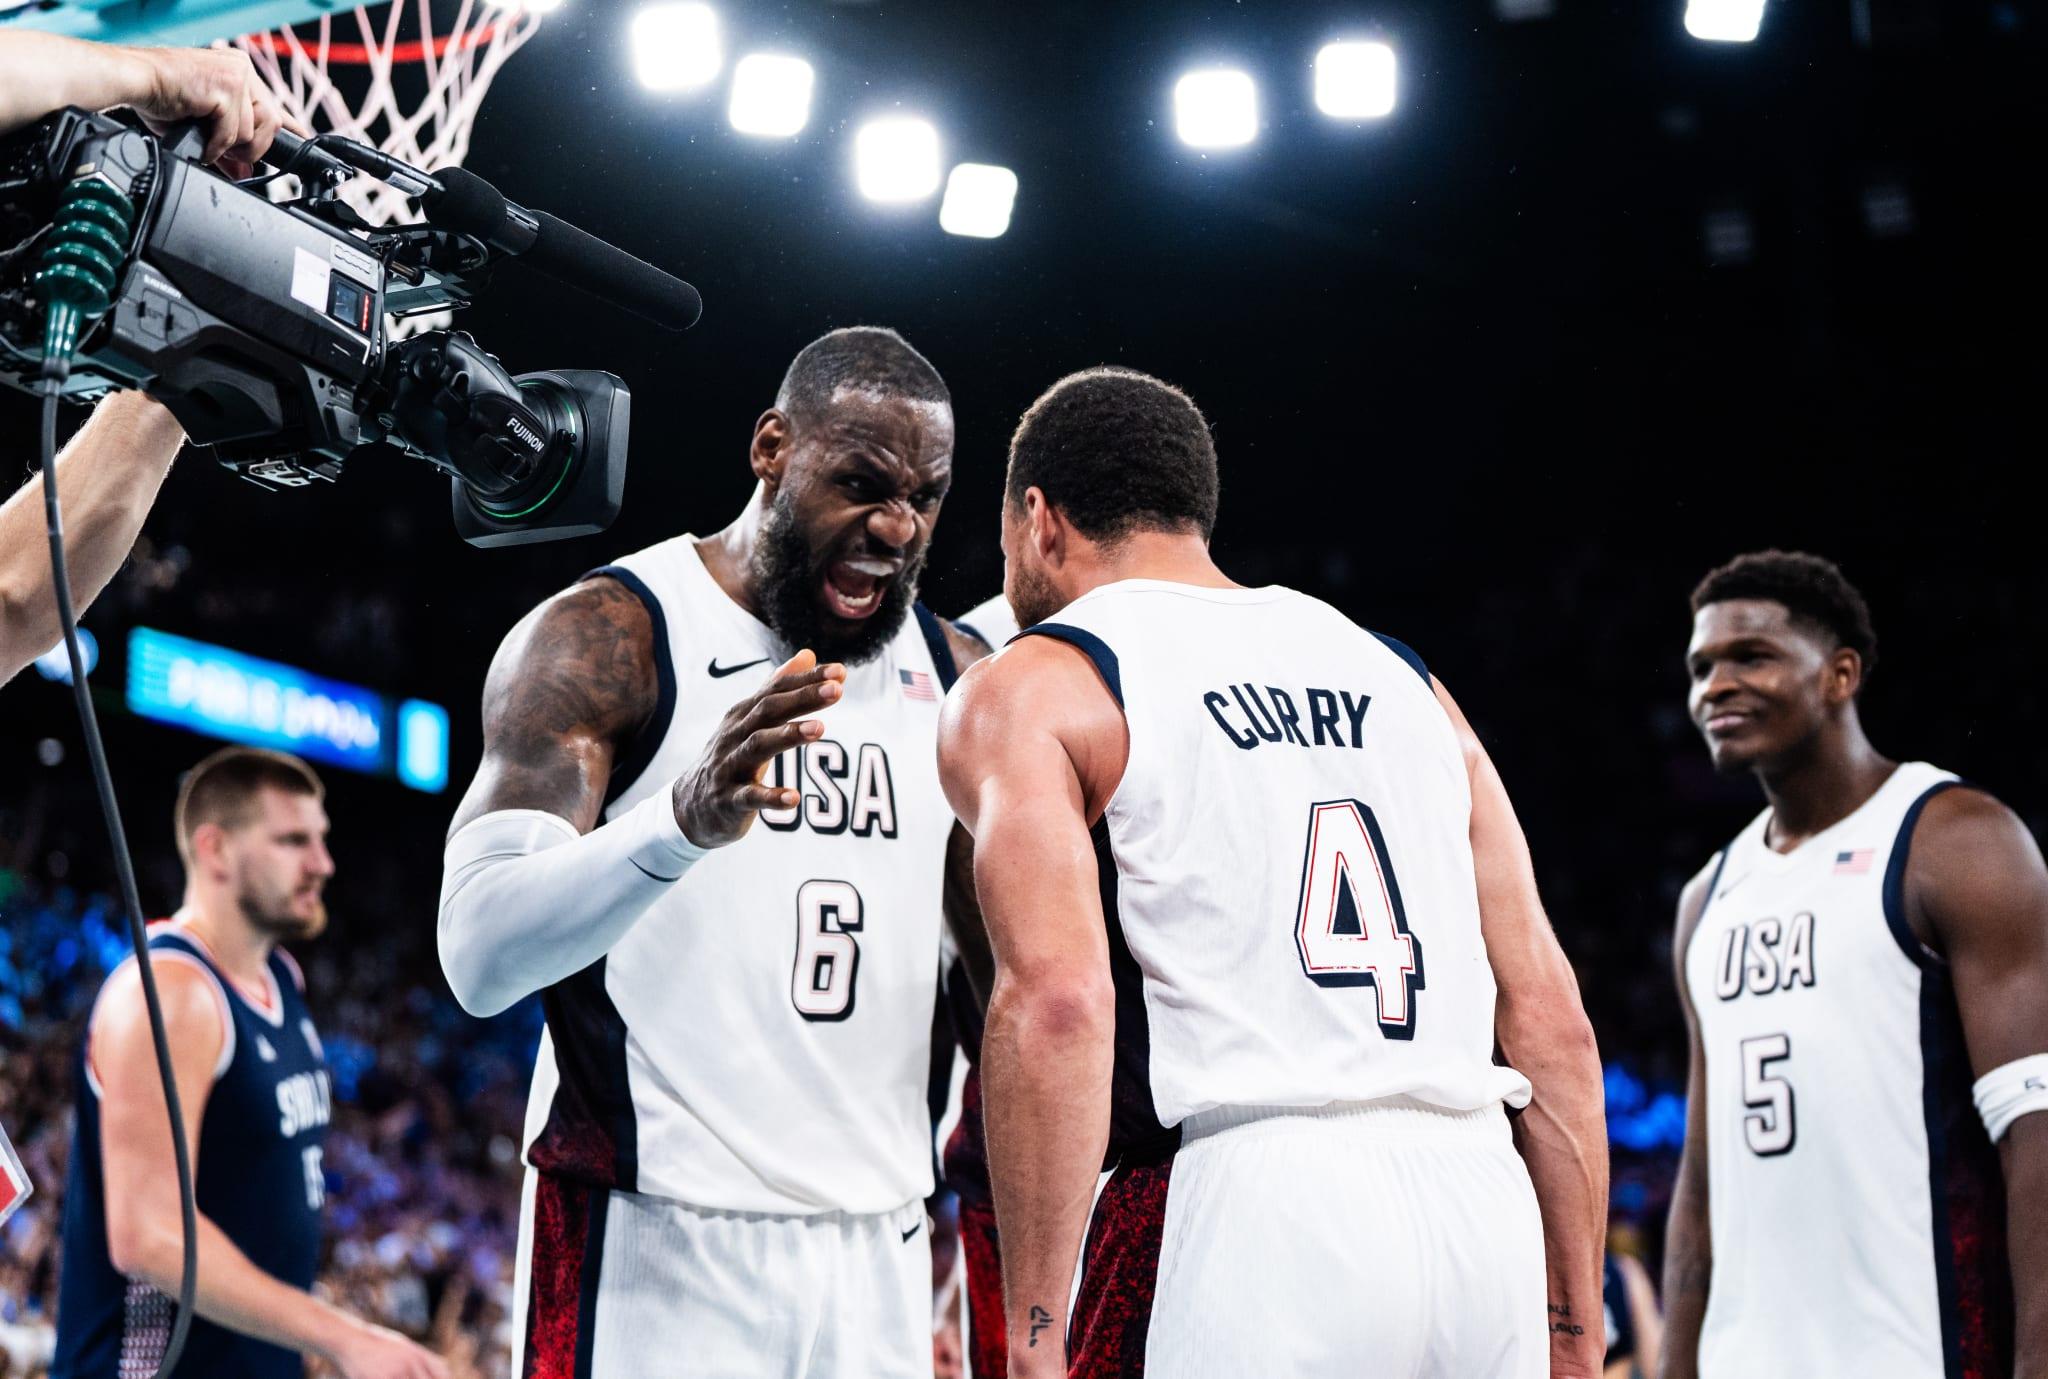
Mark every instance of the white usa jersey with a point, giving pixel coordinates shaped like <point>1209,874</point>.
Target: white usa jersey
<point>1286,864</point>
<point>761,1039</point>
<point>1856,1204</point>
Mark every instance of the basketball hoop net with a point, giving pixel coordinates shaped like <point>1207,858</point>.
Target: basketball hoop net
<point>427,124</point>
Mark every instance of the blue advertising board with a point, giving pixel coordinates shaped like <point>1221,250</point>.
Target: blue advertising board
<point>228,694</point>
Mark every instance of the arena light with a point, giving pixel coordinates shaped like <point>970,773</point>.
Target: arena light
<point>1355,81</point>
<point>1724,21</point>
<point>979,197</point>
<point>1217,107</point>
<point>896,159</point>
<point>675,46</point>
<point>771,95</point>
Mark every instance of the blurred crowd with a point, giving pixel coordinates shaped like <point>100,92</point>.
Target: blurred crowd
<point>422,1172</point>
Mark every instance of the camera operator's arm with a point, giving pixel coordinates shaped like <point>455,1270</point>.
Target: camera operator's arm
<point>42,72</point>
<point>144,1236</point>
<point>533,888</point>
<point>107,478</point>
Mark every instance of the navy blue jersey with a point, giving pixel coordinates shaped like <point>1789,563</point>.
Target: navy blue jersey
<point>260,1180</point>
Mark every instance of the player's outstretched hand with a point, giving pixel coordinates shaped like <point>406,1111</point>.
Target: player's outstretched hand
<point>376,1352</point>
<point>716,801</point>
<point>219,87</point>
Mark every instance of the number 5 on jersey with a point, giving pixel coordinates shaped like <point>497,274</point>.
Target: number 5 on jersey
<point>1350,927</point>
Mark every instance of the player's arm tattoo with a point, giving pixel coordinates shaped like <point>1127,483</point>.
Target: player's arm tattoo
<point>1041,1321</point>
<point>572,683</point>
<point>1561,1323</point>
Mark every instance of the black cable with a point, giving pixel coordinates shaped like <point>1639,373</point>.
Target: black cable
<point>55,370</point>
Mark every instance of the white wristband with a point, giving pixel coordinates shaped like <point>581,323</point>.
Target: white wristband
<point>2005,1094</point>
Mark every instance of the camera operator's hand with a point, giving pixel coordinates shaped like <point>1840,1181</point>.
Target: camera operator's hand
<point>42,72</point>
<point>220,87</point>
<point>717,800</point>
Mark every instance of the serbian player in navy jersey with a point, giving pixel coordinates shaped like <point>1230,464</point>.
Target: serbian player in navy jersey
<point>1261,916</point>
<point>256,1097</point>
<point>708,829</point>
<point>1864,971</point>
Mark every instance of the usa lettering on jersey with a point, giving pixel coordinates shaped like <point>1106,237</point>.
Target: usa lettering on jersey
<point>844,791</point>
<point>1765,956</point>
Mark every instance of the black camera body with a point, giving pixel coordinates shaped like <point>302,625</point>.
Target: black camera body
<point>261,328</point>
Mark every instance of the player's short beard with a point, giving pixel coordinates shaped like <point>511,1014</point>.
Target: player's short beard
<point>788,575</point>
<point>274,918</point>
<point>1032,596</point>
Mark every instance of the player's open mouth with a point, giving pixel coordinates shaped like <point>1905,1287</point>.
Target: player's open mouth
<point>854,588</point>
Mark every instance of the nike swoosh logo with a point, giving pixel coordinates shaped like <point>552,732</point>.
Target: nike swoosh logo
<point>1722,894</point>
<point>912,1231</point>
<point>719,672</point>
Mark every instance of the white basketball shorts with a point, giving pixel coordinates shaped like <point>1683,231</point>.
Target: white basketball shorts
<point>618,1285</point>
<point>1388,1239</point>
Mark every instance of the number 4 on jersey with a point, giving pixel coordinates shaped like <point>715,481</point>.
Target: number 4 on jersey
<point>1350,926</point>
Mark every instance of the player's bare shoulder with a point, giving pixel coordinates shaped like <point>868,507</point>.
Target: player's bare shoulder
<point>1036,694</point>
<point>573,680</point>
<point>1970,853</point>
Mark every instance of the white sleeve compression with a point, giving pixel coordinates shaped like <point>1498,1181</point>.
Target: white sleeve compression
<point>526,901</point>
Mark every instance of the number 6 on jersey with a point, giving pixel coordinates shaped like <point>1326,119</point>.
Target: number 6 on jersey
<point>828,915</point>
<point>1350,926</point>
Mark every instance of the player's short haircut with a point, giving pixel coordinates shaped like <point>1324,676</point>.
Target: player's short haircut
<point>1117,451</point>
<point>866,359</point>
<point>1811,588</point>
<point>223,788</point>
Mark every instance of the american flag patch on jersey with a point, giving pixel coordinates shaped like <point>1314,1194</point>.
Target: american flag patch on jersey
<point>1854,863</point>
<point>918,685</point>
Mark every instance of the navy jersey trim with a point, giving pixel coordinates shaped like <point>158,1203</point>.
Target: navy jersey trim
<point>1895,884</point>
<point>971,630</point>
<point>1966,1191</point>
<point>640,753</point>
<point>935,642</point>
<point>1135,1132</point>
<point>1090,645</point>
<point>1699,922</point>
<point>592,1134</point>
<point>1407,653</point>
<point>589,1285</point>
